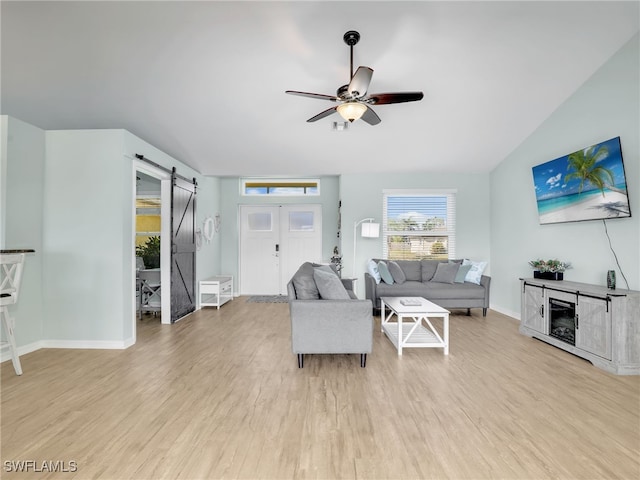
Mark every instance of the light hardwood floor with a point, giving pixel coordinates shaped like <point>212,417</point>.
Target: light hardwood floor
<point>219,395</point>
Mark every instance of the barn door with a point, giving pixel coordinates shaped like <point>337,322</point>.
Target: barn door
<point>183,247</point>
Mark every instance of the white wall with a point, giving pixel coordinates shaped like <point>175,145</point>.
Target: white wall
<point>362,197</point>
<point>89,251</point>
<point>21,199</point>
<point>606,106</point>
<point>87,239</point>
<point>69,195</point>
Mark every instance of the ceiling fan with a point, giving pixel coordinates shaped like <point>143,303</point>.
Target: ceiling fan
<point>354,103</point>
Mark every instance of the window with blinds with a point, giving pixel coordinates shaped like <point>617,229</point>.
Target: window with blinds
<point>419,224</point>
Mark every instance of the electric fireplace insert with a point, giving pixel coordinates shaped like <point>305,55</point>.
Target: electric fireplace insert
<point>562,320</point>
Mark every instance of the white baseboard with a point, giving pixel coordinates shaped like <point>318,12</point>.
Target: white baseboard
<point>5,354</point>
<point>505,311</point>
<point>86,344</point>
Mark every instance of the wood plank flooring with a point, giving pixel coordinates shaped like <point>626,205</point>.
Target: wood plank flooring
<point>219,395</point>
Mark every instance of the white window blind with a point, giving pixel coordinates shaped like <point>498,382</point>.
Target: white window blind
<point>419,224</point>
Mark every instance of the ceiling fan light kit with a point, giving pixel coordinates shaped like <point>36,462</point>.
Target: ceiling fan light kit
<point>352,98</point>
<point>351,111</point>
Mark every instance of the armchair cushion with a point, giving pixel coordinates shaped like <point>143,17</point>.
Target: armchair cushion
<point>329,285</point>
<point>304,283</point>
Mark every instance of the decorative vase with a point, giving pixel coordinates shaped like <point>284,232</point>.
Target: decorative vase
<point>548,275</point>
<point>611,279</point>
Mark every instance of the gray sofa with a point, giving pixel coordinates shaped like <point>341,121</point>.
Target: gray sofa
<point>419,283</point>
<point>327,326</point>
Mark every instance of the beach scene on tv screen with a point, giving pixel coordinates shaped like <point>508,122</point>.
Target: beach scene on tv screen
<point>585,185</point>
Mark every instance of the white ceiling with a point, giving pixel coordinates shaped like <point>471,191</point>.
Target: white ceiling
<point>205,81</point>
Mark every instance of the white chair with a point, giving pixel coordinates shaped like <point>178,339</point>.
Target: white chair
<point>149,285</point>
<point>10,277</point>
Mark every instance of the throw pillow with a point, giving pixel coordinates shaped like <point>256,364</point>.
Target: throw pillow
<point>329,285</point>
<point>385,274</point>
<point>462,273</point>
<point>446,272</point>
<point>475,272</point>
<point>324,268</point>
<point>428,268</point>
<point>304,283</point>
<point>372,268</point>
<point>396,272</point>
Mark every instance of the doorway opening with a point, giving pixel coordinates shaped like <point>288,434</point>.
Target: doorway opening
<point>152,209</point>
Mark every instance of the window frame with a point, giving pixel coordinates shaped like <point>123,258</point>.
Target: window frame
<point>268,183</point>
<point>450,222</point>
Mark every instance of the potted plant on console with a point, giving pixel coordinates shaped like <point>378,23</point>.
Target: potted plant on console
<point>549,269</point>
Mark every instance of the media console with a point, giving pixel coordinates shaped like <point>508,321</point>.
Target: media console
<point>593,322</point>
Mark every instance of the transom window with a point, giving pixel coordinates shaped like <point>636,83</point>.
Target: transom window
<point>419,224</point>
<point>280,187</point>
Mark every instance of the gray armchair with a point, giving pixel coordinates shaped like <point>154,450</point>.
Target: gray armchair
<point>321,326</point>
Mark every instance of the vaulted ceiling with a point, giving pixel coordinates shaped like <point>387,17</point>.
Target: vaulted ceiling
<point>204,81</point>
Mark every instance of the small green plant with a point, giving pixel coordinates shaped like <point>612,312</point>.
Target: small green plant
<point>150,252</point>
<point>549,265</point>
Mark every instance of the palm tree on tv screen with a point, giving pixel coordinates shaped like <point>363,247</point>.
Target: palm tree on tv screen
<point>586,169</point>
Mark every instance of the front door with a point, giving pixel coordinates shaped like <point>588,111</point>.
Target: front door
<point>274,241</point>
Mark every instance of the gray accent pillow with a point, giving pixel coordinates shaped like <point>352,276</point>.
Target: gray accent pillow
<point>325,268</point>
<point>446,272</point>
<point>412,269</point>
<point>462,272</point>
<point>428,268</point>
<point>329,285</point>
<point>385,274</point>
<point>305,284</point>
<point>396,272</point>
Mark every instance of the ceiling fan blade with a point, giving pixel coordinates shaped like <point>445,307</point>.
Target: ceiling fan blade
<point>370,117</point>
<point>321,115</point>
<point>398,97</point>
<point>360,82</point>
<point>319,96</point>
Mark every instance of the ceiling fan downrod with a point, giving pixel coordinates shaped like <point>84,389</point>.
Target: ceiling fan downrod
<point>351,38</point>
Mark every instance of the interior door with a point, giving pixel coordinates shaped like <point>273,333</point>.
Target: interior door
<point>274,241</point>
<point>183,247</point>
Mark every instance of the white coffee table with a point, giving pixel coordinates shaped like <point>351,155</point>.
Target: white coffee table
<point>414,333</point>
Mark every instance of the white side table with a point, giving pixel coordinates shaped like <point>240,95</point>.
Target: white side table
<point>216,291</point>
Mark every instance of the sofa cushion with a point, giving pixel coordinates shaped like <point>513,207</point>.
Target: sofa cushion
<point>396,272</point>
<point>411,269</point>
<point>410,288</point>
<point>435,291</point>
<point>462,273</point>
<point>385,274</point>
<point>475,273</point>
<point>304,283</point>
<point>372,269</point>
<point>428,268</point>
<point>329,285</point>
<point>446,272</point>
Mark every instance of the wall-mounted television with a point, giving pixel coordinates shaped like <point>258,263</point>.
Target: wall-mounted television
<point>589,184</point>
